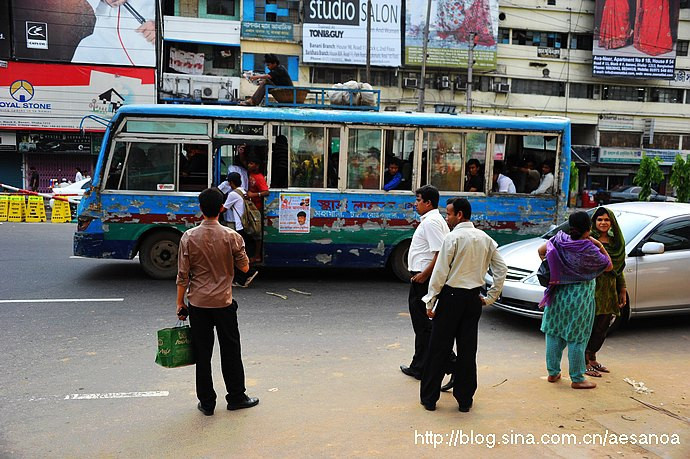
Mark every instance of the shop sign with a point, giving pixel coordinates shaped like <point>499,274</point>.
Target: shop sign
<point>5,43</point>
<point>634,156</point>
<point>554,53</point>
<point>618,122</point>
<point>54,142</point>
<point>280,31</point>
<point>8,141</point>
<point>57,96</point>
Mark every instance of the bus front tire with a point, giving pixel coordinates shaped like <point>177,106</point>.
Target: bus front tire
<point>398,261</point>
<point>158,254</point>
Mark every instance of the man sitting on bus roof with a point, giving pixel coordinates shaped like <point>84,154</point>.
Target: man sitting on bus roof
<point>278,76</point>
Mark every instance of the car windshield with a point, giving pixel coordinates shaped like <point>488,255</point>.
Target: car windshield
<point>631,224</point>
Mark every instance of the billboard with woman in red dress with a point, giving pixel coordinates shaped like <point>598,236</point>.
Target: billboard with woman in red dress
<point>635,38</point>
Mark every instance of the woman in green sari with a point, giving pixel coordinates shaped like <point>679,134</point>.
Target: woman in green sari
<point>610,293</point>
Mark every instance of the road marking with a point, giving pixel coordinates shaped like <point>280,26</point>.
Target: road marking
<point>155,393</point>
<point>65,300</point>
<point>136,257</point>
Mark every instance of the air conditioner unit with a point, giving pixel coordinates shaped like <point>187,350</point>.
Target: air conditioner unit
<point>409,83</point>
<point>502,88</point>
<point>176,84</point>
<point>206,90</point>
<point>444,82</point>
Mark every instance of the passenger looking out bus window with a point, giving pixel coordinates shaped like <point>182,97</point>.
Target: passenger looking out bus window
<point>446,161</point>
<point>502,183</point>
<point>392,178</point>
<point>474,180</point>
<point>399,148</point>
<point>142,166</point>
<point>364,159</point>
<point>546,182</point>
<point>194,175</point>
<point>306,157</point>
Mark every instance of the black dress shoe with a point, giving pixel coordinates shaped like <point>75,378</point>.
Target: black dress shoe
<point>204,410</point>
<point>248,402</point>
<point>449,385</point>
<point>429,406</point>
<point>411,372</point>
<point>465,408</point>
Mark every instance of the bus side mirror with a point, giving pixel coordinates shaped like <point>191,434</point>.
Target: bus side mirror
<point>652,248</point>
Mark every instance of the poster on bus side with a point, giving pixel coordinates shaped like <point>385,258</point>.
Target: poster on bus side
<point>294,213</point>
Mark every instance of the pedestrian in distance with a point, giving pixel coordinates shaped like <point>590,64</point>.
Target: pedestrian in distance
<point>454,304</point>
<point>610,294</point>
<point>421,258</point>
<point>79,175</point>
<point>34,179</point>
<point>207,257</point>
<point>575,259</point>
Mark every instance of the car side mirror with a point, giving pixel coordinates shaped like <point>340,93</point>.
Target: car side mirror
<point>652,248</point>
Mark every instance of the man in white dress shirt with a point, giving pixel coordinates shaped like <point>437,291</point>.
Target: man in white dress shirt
<point>463,261</point>
<point>426,242</point>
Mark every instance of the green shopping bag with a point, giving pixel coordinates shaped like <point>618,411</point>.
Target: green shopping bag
<point>175,347</point>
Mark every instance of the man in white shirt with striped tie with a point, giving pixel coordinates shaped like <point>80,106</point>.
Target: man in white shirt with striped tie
<point>463,261</point>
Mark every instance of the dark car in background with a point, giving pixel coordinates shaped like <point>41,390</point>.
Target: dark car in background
<point>628,193</point>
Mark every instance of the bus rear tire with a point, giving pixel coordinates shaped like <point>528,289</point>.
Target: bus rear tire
<point>158,254</point>
<point>398,261</point>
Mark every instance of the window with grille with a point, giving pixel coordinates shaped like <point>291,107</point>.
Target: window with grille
<point>682,47</point>
<point>581,41</point>
<point>504,36</point>
<point>333,75</point>
<point>663,141</point>
<point>629,93</point>
<point>539,38</point>
<point>666,95</point>
<point>581,91</point>
<point>277,11</point>
<point>544,88</point>
<point>619,139</point>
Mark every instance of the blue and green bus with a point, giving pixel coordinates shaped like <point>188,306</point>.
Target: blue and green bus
<point>328,172</point>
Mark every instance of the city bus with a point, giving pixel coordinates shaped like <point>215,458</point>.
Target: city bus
<point>328,170</point>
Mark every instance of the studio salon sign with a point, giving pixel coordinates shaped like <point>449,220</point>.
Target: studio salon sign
<point>334,32</point>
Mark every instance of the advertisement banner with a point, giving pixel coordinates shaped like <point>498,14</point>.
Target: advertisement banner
<point>58,96</point>
<point>335,32</point>
<point>86,31</point>
<point>450,26</point>
<point>295,212</point>
<point>634,155</point>
<point>281,31</point>
<point>5,44</point>
<point>635,38</point>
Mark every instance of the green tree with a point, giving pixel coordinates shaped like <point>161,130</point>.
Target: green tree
<point>680,178</point>
<point>648,174</point>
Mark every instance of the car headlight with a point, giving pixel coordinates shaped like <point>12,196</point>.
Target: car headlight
<point>531,280</point>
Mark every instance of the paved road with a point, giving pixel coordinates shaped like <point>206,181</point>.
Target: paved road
<point>325,367</point>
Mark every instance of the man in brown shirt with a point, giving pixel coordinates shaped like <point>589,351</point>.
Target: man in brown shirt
<point>206,261</point>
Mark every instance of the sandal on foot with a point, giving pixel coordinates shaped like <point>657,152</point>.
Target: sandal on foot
<point>553,378</point>
<point>592,372</point>
<point>601,368</point>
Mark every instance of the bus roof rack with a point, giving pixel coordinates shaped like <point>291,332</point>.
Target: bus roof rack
<point>314,97</point>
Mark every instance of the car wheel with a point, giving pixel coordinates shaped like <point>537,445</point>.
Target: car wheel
<point>158,254</point>
<point>398,261</point>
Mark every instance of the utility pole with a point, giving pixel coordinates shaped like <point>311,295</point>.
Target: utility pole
<point>420,103</point>
<point>368,41</point>
<point>470,64</point>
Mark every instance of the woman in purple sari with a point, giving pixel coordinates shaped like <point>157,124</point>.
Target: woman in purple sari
<point>575,260</point>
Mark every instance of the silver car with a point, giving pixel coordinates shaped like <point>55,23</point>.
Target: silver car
<point>657,267</point>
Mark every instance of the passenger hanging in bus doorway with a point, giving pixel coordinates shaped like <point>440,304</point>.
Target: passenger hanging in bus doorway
<point>234,209</point>
<point>239,165</point>
<point>258,189</point>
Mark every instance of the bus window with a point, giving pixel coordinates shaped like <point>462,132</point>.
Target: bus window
<point>527,160</point>
<point>399,153</point>
<point>445,167</point>
<point>364,159</point>
<point>333,159</point>
<point>306,157</point>
<point>142,166</point>
<point>475,150</point>
<point>194,167</point>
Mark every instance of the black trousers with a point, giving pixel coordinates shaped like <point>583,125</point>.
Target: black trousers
<point>421,324</point>
<point>249,248</point>
<point>203,321</point>
<point>596,339</point>
<point>457,319</point>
